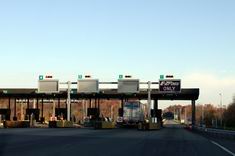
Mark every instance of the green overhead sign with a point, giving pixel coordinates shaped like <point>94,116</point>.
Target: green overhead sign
<point>40,77</point>
<point>79,76</point>
<point>120,76</point>
<point>161,77</point>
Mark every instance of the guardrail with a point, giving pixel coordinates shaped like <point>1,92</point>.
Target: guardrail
<point>216,132</point>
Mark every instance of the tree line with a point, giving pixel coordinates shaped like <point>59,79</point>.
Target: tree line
<point>207,115</point>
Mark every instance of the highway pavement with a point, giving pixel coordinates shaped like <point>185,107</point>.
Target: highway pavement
<point>173,140</point>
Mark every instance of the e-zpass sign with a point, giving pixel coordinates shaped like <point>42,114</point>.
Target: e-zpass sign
<point>170,86</point>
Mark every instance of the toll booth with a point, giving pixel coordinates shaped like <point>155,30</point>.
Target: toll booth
<point>34,112</point>
<point>61,113</point>
<point>89,90</point>
<point>93,112</point>
<point>157,113</point>
<point>120,112</point>
<point>6,114</point>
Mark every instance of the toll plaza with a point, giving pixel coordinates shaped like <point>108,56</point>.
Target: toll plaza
<point>89,89</point>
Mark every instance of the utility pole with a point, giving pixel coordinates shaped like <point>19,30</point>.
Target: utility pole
<point>202,114</point>
<point>21,110</point>
<point>83,110</point>
<point>53,113</point>
<point>68,101</point>
<point>34,103</point>
<point>111,110</point>
<point>185,115</point>
<point>149,99</point>
<point>174,113</point>
<point>221,109</point>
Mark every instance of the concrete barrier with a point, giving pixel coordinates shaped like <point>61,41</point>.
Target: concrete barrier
<point>104,125</point>
<point>16,124</point>
<point>61,124</point>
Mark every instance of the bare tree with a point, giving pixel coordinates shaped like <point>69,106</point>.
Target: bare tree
<point>229,115</point>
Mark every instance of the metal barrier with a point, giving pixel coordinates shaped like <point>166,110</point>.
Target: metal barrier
<point>216,132</point>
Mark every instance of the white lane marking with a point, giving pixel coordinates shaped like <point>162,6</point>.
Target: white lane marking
<point>223,148</point>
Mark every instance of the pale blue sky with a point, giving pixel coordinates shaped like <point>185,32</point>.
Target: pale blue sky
<point>106,38</point>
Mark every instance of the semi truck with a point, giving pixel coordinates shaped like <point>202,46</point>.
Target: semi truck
<point>132,114</point>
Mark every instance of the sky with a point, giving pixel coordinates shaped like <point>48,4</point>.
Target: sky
<point>194,40</point>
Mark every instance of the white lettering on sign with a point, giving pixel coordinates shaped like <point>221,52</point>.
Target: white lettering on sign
<point>169,83</point>
<point>170,86</point>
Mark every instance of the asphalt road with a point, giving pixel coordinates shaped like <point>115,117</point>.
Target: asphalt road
<point>170,141</point>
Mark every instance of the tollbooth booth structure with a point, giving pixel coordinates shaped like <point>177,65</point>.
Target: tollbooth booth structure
<point>93,90</point>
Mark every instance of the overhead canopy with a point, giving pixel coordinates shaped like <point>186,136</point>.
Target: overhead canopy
<point>185,94</point>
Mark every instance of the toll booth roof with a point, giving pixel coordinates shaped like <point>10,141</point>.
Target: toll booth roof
<point>185,94</point>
